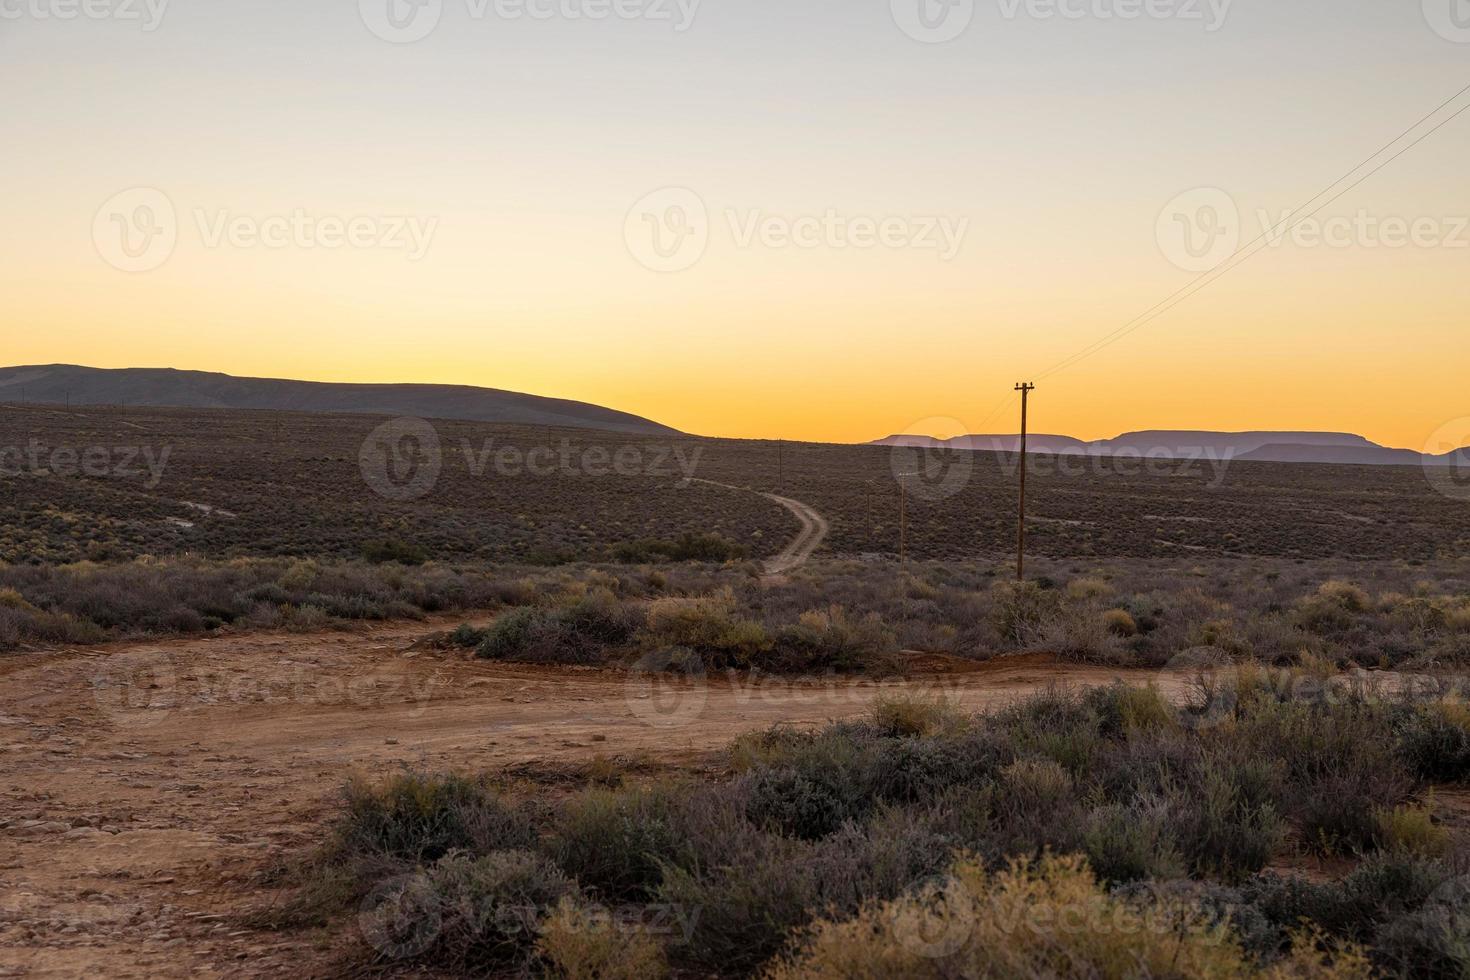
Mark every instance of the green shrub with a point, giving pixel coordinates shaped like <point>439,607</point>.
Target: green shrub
<point>1434,739</point>
<point>708,625</point>
<point>1127,843</point>
<point>420,818</point>
<point>832,639</point>
<point>393,550</point>
<point>614,840</point>
<point>491,908</point>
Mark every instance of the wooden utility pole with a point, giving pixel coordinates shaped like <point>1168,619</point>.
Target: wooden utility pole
<point>1025,388</point>
<point>903,550</point>
<point>870,512</point>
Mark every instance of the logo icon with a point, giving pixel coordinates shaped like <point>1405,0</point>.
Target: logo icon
<point>401,918</point>
<point>1447,459</point>
<point>136,230</point>
<point>401,460</point>
<point>939,922</point>
<point>1199,229</point>
<point>667,689</point>
<point>932,472</point>
<point>401,21</point>
<point>136,689</point>
<point>933,21</point>
<point>668,230</point>
<point>1449,18</point>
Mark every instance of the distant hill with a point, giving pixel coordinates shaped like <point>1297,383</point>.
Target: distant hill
<point>1275,447</point>
<point>165,387</point>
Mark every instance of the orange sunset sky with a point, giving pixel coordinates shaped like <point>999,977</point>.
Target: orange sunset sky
<point>528,143</point>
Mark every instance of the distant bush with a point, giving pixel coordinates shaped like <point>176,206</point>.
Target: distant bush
<point>709,625</point>
<point>393,550</point>
<point>832,639</point>
<point>419,818</point>
<point>582,633</point>
<point>689,546</point>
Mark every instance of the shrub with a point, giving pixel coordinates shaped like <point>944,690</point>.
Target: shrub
<point>491,908</point>
<point>420,818</point>
<point>689,546</point>
<point>614,840</point>
<point>903,715</point>
<point>1126,843</point>
<point>765,885</point>
<point>1043,919</point>
<point>1227,823</point>
<point>1434,740</point>
<point>393,550</point>
<point>467,636</point>
<point>808,803</point>
<point>707,625</point>
<point>831,639</point>
<point>1410,830</point>
<point>579,944</point>
<point>1120,622</point>
<point>1019,609</point>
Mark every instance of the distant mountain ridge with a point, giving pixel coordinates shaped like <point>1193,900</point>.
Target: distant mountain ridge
<point>167,387</point>
<point>1342,448</point>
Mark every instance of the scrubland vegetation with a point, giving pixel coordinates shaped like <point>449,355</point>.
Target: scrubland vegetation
<point>829,616</point>
<point>1106,834</point>
<point>284,485</point>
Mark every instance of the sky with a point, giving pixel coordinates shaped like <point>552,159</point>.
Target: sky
<point>809,219</point>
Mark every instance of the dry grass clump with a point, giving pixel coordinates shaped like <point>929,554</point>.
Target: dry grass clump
<point>1044,918</point>
<point>578,943</point>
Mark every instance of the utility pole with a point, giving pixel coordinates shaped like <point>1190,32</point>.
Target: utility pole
<point>903,524</point>
<point>1025,388</point>
<point>870,512</point>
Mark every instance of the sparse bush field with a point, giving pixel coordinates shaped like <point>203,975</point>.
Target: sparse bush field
<point>1072,834</point>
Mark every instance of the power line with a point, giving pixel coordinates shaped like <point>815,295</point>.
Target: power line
<point>1243,255</point>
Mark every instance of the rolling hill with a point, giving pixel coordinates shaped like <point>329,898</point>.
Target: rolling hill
<point>1270,447</point>
<point>166,387</point>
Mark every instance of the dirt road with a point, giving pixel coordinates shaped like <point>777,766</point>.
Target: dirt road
<point>146,786</point>
<point>814,529</point>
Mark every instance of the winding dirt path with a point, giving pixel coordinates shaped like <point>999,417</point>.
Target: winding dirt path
<point>147,788</point>
<point>814,530</point>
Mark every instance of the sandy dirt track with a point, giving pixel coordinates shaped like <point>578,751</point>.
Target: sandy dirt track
<point>146,786</point>
<point>814,530</point>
